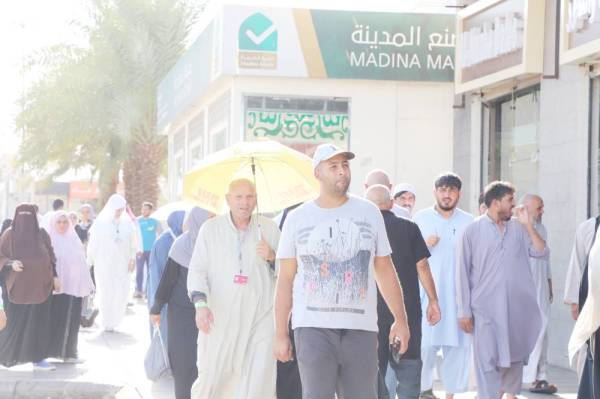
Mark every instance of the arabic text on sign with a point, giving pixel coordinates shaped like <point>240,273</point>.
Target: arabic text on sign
<point>362,34</point>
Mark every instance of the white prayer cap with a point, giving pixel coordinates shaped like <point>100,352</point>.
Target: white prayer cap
<point>328,151</point>
<point>404,187</point>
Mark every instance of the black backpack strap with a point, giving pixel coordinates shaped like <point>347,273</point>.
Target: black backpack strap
<point>288,210</point>
<point>285,213</point>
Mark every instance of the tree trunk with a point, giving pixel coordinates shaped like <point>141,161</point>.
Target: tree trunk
<point>142,170</point>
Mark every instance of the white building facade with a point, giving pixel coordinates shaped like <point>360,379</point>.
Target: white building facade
<point>378,83</point>
<point>531,116</point>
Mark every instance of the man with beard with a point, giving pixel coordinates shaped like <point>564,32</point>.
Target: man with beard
<point>536,370</point>
<point>442,225</point>
<point>496,293</point>
<point>332,250</point>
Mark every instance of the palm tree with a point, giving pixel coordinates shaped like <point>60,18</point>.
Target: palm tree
<point>96,106</point>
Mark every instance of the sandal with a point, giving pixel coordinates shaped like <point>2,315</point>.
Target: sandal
<point>543,387</point>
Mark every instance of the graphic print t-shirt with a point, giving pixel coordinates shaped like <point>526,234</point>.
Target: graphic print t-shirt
<point>335,249</point>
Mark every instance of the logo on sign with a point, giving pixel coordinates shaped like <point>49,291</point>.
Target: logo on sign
<point>257,40</point>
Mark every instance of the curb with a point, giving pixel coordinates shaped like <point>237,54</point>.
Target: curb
<point>56,389</point>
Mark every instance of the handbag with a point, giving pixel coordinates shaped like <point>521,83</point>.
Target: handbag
<point>156,362</point>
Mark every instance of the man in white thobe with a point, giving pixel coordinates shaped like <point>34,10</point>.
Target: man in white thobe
<point>535,371</point>
<point>231,282</point>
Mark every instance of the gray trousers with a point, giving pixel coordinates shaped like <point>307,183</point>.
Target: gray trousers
<point>336,361</point>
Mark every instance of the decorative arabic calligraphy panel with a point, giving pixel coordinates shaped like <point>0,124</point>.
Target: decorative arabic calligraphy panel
<point>299,127</point>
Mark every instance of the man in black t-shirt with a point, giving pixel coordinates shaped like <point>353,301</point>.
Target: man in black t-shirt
<point>409,254</point>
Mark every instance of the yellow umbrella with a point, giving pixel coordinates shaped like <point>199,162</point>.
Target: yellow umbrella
<point>283,176</point>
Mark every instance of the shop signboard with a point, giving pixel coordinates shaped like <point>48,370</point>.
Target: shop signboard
<point>304,43</point>
<point>499,41</point>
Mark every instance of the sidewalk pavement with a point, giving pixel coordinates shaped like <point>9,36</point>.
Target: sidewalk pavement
<point>114,368</point>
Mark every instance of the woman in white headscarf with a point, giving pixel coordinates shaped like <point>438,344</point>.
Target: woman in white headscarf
<point>111,250</point>
<point>587,330</point>
<point>75,283</point>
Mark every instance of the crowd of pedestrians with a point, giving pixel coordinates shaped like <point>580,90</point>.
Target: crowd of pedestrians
<point>346,296</point>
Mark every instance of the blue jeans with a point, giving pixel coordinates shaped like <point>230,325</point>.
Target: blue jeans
<point>140,262</point>
<point>408,375</point>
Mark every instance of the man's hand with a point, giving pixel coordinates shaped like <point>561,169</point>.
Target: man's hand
<point>466,324</point>
<point>522,215</point>
<point>264,251</point>
<point>17,266</point>
<point>432,241</point>
<point>400,332</point>
<point>155,319</point>
<point>575,311</point>
<point>131,266</point>
<point>433,313</point>
<point>2,319</point>
<point>282,348</point>
<point>204,320</point>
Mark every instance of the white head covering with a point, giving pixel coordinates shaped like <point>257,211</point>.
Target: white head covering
<point>114,203</point>
<point>404,187</point>
<point>589,318</point>
<point>71,267</point>
<point>104,225</point>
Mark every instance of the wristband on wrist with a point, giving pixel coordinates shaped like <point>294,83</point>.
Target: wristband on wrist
<point>200,305</point>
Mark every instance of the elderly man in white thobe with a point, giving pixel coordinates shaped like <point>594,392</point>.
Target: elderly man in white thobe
<point>231,281</point>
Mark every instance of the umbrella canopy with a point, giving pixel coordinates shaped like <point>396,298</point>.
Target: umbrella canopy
<point>164,211</point>
<point>283,176</point>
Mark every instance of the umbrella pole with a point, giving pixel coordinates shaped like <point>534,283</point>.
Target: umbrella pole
<point>253,166</point>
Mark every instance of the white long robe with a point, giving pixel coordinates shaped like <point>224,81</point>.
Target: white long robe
<point>235,360</point>
<point>541,273</point>
<point>110,254</point>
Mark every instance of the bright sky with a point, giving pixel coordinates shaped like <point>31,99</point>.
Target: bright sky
<point>30,25</point>
<point>27,26</point>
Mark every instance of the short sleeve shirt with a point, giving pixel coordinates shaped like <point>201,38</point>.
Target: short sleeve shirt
<point>335,250</point>
<point>148,228</point>
<point>408,248</point>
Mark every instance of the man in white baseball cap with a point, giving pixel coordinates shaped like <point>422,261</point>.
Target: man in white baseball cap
<point>332,252</point>
<point>325,152</point>
<point>405,196</point>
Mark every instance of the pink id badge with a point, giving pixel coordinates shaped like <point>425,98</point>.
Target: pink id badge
<point>240,279</point>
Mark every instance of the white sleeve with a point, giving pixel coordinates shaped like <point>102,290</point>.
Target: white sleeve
<point>197,280</point>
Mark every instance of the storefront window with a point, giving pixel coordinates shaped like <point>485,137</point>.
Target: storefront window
<point>514,140</point>
<point>218,140</point>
